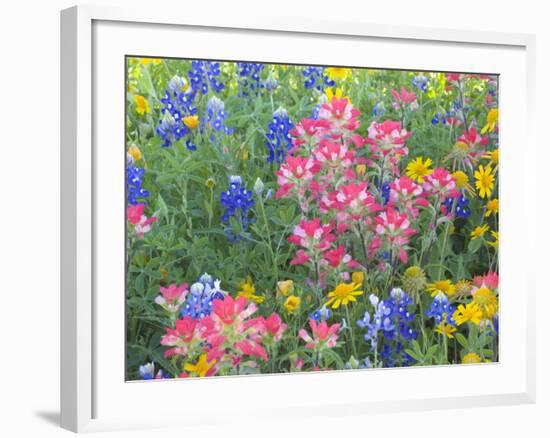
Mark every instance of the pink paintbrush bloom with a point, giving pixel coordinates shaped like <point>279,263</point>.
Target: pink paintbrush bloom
<point>354,200</point>
<point>388,139</point>
<point>172,297</point>
<point>341,114</point>
<point>407,195</point>
<point>440,183</point>
<point>275,326</point>
<point>403,98</point>
<point>394,228</point>
<point>489,279</point>
<point>312,235</point>
<point>323,335</point>
<point>333,154</point>
<point>309,131</point>
<point>338,257</point>
<point>179,337</point>
<point>141,223</point>
<point>295,173</point>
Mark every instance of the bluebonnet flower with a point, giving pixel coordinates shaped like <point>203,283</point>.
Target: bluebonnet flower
<point>202,293</point>
<point>270,83</point>
<point>379,109</point>
<point>134,180</point>
<point>397,355</point>
<point>321,314</point>
<point>315,77</point>
<point>147,371</point>
<point>249,77</point>
<point>397,310</point>
<point>420,82</point>
<point>204,75</point>
<point>462,206</point>
<point>386,192</point>
<point>216,115</point>
<point>440,118</point>
<point>179,114</point>
<point>441,310</point>
<point>278,139</point>
<point>237,201</point>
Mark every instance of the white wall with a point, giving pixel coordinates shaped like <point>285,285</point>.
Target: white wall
<point>29,218</point>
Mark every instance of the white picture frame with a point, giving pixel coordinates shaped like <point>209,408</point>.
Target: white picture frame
<point>83,370</point>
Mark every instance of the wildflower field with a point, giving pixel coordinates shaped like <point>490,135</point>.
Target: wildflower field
<point>289,218</point>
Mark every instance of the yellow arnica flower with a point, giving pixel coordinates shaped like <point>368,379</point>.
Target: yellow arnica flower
<point>494,243</point>
<point>493,156</point>
<point>445,286</point>
<point>492,207</point>
<point>471,358</point>
<point>418,169</point>
<point>492,119</point>
<point>445,329</point>
<point>486,301</point>
<point>142,104</point>
<point>479,231</point>
<point>134,152</point>
<point>191,121</point>
<point>462,181</point>
<point>338,73</point>
<point>247,290</point>
<point>344,293</point>
<point>485,181</point>
<point>361,169</point>
<point>292,303</point>
<point>285,287</point>
<point>201,367</point>
<point>338,93</point>
<point>468,313</point>
<point>358,277</point>
<point>210,183</point>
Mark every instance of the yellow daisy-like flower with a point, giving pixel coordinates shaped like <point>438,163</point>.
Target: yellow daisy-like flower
<point>338,73</point>
<point>338,93</point>
<point>418,169</point>
<point>485,180</point>
<point>493,156</point>
<point>445,329</point>
<point>292,303</point>
<point>441,286</point>
<point>361,169</point>
<point>479,231</point>
<point>134,152</point>
<point>344,293</point>
<point>462,181</point>
<point>191,121</point>
<point>142,104</point>
<point>494,243</point>
<point>486,301</point>
<point>471,358</point>
<point>248,290</point>
<point>201,367</point>
<point>492,207</point>
<point>492,119</point>
<point>285,287</point>
<point>468,313</point>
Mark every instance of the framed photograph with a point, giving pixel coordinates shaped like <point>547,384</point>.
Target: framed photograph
<point>259,206</point>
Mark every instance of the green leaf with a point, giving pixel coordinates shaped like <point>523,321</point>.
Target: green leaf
<point>461,340</point>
